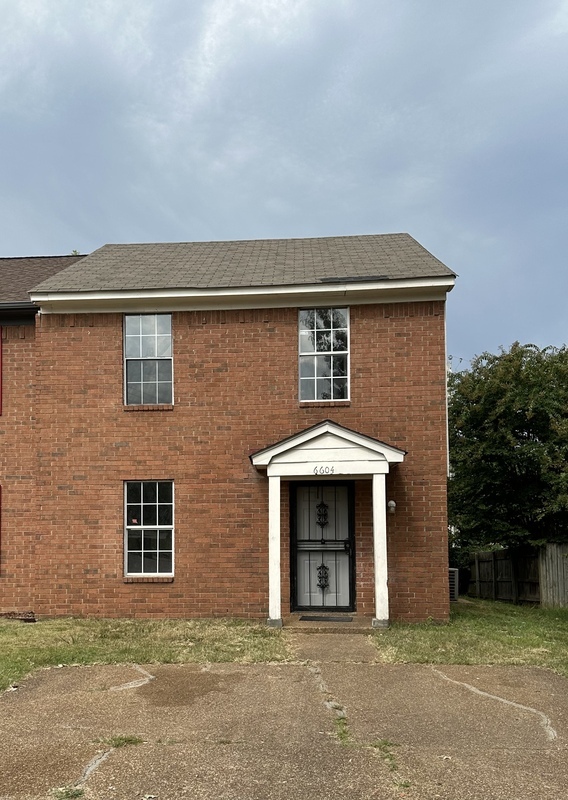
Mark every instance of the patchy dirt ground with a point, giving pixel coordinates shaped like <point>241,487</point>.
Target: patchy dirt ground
<point>332,724</point>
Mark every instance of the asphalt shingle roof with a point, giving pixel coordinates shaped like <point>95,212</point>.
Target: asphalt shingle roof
<point>19,275</point>
<point>268,262</point>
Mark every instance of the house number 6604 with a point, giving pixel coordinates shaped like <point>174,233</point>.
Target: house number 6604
<point>324,470</point>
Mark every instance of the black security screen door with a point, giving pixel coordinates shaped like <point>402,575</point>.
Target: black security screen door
<point>322,546</point>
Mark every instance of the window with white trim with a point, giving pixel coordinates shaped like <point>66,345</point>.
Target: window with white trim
<point>324,353</point>
<point>148,359</point>
<point>149,528</point>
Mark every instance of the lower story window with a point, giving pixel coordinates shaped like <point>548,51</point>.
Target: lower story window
<point>149,528</point>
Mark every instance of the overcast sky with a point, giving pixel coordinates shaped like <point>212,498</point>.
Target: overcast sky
<point>169,120</point>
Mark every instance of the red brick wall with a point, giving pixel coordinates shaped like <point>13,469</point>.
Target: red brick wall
<point>235,384</point>
<point>17,468</point>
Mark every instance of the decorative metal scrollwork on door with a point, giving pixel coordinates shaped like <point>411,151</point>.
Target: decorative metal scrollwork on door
<point>322,514</point>
<point>323,577</point>
<point>322,521</point>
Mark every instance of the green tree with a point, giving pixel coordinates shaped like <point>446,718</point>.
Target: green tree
<point>508,424</point>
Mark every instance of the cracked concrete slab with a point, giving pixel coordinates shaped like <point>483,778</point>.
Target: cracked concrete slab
<point>325,726</point>
<point>451,742</point>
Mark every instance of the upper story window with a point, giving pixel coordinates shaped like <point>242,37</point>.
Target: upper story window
<point>324,354</point>
<point>148,359</point>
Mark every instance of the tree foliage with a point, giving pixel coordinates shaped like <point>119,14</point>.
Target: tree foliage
<point>508,424</point>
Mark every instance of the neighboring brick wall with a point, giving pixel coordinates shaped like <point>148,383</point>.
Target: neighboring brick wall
<point>235,392</point>
<point>17,468</point>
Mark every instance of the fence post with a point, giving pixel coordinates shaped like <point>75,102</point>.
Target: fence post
<point>477,581</point>
<point>494,574</point>
<point>514,578</point>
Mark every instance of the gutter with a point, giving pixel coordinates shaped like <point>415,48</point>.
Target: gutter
<point>188,299</point>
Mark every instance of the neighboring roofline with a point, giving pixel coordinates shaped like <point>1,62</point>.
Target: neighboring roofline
<point>17,313</point>
<point>346,292</point>
<point>61,255</point>
<point>18,305</point>
<point>19,274</point>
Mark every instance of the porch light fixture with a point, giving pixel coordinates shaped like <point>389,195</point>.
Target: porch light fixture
<point>391,505</point>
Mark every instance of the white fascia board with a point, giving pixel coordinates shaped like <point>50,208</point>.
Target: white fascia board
<point>392,454</point>
<point>362,469</point>
<point>154,300</point>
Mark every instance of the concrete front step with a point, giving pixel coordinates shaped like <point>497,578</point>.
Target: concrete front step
<point>353,623</point>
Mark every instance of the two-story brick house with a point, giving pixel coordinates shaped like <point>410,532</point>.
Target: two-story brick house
<point>227,428</point>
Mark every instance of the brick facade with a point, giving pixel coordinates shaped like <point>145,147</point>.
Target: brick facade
<point>68,444</point>
<point>17,467</point>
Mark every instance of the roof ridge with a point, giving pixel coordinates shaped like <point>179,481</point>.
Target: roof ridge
<point>259,240</point>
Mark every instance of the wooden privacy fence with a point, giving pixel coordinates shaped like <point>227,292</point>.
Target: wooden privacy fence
<point>522,575</point>
<point>553,567</point>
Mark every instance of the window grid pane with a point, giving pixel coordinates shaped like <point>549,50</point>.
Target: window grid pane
<point>148,359</point>
<point>324,332</point>
<point>149,528</point>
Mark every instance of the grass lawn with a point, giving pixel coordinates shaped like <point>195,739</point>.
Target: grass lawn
<point>483,632</point>
<point>26,646</point>
<point>480,632</point>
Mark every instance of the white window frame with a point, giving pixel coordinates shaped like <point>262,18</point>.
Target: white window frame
<point>130,526</point>
<point>303,353</point>
<point>128,358</point>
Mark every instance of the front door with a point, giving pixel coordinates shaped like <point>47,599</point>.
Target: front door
<point>322,542</point>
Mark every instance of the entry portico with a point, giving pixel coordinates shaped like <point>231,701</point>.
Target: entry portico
<point>328,453</point>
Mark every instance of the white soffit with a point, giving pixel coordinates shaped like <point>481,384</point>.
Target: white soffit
<point>153,300</point>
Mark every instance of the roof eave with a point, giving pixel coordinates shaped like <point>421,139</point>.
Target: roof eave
<point>150,300</point>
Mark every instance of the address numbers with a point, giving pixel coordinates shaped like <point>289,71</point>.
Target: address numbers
<point>324,470</point>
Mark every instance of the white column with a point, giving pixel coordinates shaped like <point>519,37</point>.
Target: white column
<point>381,619</point>
<point>274,602</point>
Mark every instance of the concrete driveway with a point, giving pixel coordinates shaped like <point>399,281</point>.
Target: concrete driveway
<point>332,724</point>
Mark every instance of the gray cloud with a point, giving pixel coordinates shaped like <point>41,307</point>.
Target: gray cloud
<point>154,120</point>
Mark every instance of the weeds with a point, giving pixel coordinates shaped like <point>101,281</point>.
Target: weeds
<point>67,793</point>
<point>384,748</point>
<point>342,730</point>
<point>122,740</point>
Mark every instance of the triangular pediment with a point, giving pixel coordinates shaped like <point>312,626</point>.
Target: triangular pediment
<point>327,450</point>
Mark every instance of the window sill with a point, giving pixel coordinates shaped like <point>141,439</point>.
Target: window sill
<point>324,403</point>
<point>147,579</point>
<point>149,408</point>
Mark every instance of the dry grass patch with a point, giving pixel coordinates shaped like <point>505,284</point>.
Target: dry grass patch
<point>483,632</point>
<point>25,647</point>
